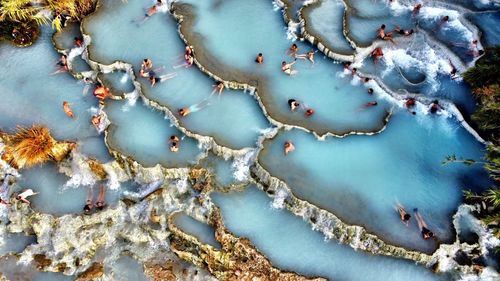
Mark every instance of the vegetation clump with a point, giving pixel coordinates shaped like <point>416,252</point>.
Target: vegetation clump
<point>20,19</point>
<point>485,83</point>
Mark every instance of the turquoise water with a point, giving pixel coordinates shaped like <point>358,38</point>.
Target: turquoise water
<point>233,119</point>
<point>336,98</point>
<point>361,178</point>
<point>143,133</point>
<point>204,232</point>
<point>55,197</point>
<point>31,94</point>
<point>290,243</point>
<point>327,20</point>
<point>358,178</point>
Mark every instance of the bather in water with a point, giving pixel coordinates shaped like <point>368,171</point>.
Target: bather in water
<point>151,11</point>
<point>174,143</point>
<point>307,56</point>
<point>67,109</point>
<point>287,68</point>
<point>259,59</point>
<point>25,194</point>
<point>101,198</point>
<point>405,217</point>
<point>153,79</point>
<point>426,233</point>
<point>289,147</point>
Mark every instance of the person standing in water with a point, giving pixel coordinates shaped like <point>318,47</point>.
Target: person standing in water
<point>259,59</point>
<point>426,233</point>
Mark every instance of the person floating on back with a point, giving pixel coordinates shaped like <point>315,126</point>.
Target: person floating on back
<point>151,11</point>
<point>307,56</point>
<point>25,194</point>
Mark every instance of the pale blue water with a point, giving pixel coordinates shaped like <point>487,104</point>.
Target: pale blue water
<point>358,178</point>
<point>321,87</point>
<point>327,21</point>
<point>290,243</point>
<point>55,197</point>
<point>143,133</point>
<point>204,232</point>
<point>361,178</point>
<point>15,242</point>
<point>233,119</point>
<point>25,83</point>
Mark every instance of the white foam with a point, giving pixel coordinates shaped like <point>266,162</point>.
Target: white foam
<point>241,166</point>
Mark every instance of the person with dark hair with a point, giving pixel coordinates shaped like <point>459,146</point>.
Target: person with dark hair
<point>426,233</point>
<point>259,59</point>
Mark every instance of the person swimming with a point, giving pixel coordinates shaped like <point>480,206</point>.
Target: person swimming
<point>293,104</point>
<point>174,143</point>
<point>377,54</point>
<point>354,71</point>
<point>370,91</point>
<point>289,147</point>
<point>405,217</point>
<point>426,233</point>
<point>184,111</point>
<point>67,109</point>
<point>370,104</point>
<point>287,67</point>
<point>101,198</point>
<point>259,59</point>
<point>188,52</point>
<point>25,194</point>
